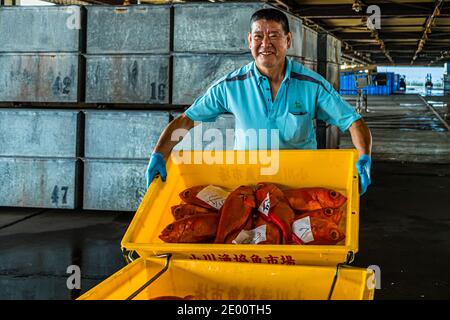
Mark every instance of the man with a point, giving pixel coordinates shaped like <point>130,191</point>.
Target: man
<point>271,92</point>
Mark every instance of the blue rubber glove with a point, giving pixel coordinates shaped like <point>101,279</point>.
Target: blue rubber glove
<point>156,165</point>
<point>363,166</point>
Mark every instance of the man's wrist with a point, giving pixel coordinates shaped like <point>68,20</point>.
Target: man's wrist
<point>157,155</point>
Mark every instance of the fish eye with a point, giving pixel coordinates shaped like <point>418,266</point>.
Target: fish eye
<point>177,209</point>
<point>334,235</point>
<point>169,227</point>
<point>333,194</point>
<point>186,194</point>
<point>328,211</point>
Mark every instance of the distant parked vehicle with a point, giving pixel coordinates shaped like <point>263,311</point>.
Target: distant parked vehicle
<point>429,82</point>
<point>402,84</point>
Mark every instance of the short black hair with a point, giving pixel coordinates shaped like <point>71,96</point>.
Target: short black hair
<point>271,15</point>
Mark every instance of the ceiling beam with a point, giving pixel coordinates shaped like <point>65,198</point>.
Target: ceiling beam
<point>290,5</point>
<point>427,28</point>
<point>400,48</point>
<point>345,11</point>
<point>443,57</point>
<point>387,36</point>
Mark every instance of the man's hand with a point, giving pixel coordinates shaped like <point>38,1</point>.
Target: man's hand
<point>363,166</point>
<point>165,144</point>
<point>157,164</point>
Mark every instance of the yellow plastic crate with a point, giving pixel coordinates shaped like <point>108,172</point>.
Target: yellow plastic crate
<point>334,169</point>
<point>234,281</point>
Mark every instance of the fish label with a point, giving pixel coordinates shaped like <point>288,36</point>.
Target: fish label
<point>214,196</point>
<point>254,236</point>
<point>302,229</point>
<point>265,205</point>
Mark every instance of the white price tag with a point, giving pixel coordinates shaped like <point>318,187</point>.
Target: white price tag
<point>302,229</point>
<point>264,207</point>
<point>254,236</point>
<point>214,196</point>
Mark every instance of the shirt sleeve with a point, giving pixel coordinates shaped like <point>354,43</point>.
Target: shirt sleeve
<point>333,109</point>
<point>210,105</point>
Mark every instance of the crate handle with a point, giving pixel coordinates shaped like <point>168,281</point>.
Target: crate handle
<point>128,255</point>
<point>156,276</point>
<point>333,284</point>
<point>350,258</point>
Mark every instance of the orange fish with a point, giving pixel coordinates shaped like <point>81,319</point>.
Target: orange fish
<point>324,232</point>
<point>334,214</point>
<point>249,225</point>
<point>274,207</point>
<point>272,235</point>
<point>189,196</point>
<point>192,229</point>
<point>309,199</point>
<point>184,210</point>
<point>235,212</point>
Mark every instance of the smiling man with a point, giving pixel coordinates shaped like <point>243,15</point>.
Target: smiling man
<point>271,92</point>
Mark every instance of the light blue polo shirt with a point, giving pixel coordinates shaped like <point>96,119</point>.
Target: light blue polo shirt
<point>302,97</point>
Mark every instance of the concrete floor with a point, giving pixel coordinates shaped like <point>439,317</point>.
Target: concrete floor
<point>37,246</point>
<point>404,128</point>
<point>404,229</point>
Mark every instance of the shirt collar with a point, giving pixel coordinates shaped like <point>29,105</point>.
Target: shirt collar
<point>287,75</point>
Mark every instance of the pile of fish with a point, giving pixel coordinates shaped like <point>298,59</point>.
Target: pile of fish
<point>264,214</point>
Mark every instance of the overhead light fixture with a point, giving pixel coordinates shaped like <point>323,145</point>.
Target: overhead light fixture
<point>437,11</point>
<point>357,6</point>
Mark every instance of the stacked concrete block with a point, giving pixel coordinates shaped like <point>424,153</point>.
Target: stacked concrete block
<point>329,58</point>
<point>118,145</point>
<point>41,63</point>
<point>194,74</point>
<point>208,44</point>
<point>128,57</point>
<point>205,27</point>
<point>309,48</point>
<point>127,79</point>
<point>38,158</point>
<point>126,64</point>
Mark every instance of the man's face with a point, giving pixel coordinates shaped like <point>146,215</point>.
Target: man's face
<point>268,43</point>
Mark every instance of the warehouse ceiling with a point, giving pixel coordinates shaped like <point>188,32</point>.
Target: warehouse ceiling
<point>411,32</point>
<point>408,32</point>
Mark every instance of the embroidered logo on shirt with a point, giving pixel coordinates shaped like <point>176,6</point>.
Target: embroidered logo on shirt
<point>296,109</point>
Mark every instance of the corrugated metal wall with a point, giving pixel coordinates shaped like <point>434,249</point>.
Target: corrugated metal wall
<point>155,58</point>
